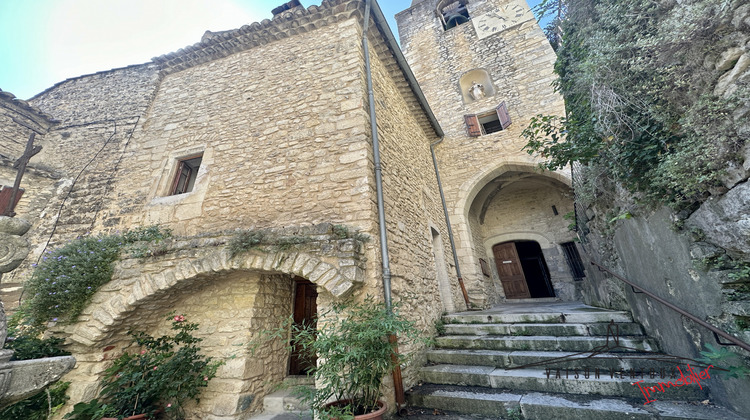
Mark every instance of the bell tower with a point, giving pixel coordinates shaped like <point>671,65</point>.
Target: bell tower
<point>470,54</point>
<point>486,68</point>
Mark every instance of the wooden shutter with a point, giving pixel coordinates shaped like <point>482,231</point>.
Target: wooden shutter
<point>177,176</point>
<point>472,125</point>
<point>5,193</point>
<point>503,115</point>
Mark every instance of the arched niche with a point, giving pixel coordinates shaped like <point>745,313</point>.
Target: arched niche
<point>476,85</point>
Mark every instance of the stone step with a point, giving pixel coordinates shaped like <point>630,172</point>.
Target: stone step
<point>590,315</point>
<point>554,359</point>
<point>283,401</point>
<point>283,416</point>
<point>619,385</point>
<point>543,343</point>
<point>557,329</point>
<point>287,399</point>
<point>546,406</point>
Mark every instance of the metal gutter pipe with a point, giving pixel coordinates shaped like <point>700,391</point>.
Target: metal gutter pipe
<point>378,167</point>
<point>397,379</point>
<point>448,224</point>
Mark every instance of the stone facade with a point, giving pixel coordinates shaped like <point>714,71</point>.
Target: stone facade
<point>233,297</point>
<point>492,171</point>
<point>278,112</point>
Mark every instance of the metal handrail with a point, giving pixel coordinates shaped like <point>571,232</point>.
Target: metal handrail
<point>717,332</point>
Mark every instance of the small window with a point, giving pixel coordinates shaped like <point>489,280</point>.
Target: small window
<point>187,172</point>
<point>453,13</point>
<point>574,260</point>
<point>488,123</point>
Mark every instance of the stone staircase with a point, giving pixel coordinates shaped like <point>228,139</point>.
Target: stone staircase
<point>534,361</point>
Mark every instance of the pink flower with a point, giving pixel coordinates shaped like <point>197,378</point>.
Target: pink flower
<point>169,405</point>
<point>179,318</point>
<point>154,367</point>
<point>205,378</point>
<point>143,351</point>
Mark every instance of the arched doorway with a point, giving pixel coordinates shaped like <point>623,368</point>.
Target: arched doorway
<point>523,270</point>
<point>527,209</point>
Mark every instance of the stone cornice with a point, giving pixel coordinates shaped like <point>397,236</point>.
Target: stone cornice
<point>215,45</point>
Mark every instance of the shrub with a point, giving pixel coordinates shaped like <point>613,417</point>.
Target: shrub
<point>62,284</point>
<point>39,407</point>
<point>161,375</point>
<point>353,342</point>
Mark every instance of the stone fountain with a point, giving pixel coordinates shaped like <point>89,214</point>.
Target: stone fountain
<point>21,379</point>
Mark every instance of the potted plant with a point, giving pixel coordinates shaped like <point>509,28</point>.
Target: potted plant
<point>351,341</point>
<point>159,376</point>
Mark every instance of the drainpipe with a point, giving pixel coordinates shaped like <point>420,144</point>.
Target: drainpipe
<point>397,379</point>
<point>448,224</point>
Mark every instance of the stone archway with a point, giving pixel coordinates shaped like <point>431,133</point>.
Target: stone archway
<point>475,200</point>
<point>235,296</point>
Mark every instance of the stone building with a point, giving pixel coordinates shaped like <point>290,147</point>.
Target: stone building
<point>267,128</point>
<point>486,68</point>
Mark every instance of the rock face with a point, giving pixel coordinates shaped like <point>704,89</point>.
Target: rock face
<point>725,220</point>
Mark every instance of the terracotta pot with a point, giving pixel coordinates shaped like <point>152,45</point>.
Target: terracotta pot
<point>375,415</point>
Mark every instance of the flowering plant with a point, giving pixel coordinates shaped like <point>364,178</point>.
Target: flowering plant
<point>67,277</point>
<point>161,375</point>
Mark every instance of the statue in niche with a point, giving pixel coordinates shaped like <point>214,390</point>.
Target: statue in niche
<point>476,91</point>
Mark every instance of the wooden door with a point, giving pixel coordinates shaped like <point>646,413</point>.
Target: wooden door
<point>510,271</point>
<point>305,313</point>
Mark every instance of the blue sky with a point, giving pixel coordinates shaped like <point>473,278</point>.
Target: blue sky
<point>43,42</point>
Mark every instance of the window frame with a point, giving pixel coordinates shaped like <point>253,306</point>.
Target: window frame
<point>475,128</point>
<point>190,178</point>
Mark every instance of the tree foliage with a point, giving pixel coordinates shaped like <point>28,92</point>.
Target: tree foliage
<point>638,79</point>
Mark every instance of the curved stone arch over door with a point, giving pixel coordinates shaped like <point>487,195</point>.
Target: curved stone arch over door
<point>472,247</point>
<point>134,285</point>
<point>253,289</point>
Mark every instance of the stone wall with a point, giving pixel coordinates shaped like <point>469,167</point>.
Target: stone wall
<point>80,156</point>
<point>519,61</point>
<point>18,119</point>
<point>412,204</point>
<point>282,135</point>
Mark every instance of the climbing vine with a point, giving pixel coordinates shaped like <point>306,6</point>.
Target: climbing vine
<point>639,80</point>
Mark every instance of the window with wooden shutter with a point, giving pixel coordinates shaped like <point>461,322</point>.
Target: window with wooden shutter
<point>472,125</point>
<point>503,115</point>
<point>5,193</point>
<point>488,122</point>
<point>186,174</point>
